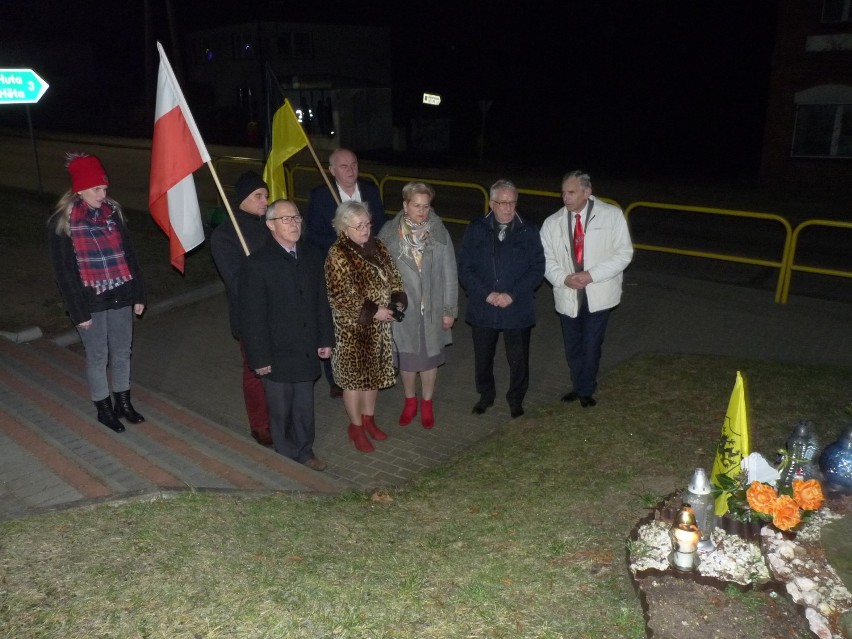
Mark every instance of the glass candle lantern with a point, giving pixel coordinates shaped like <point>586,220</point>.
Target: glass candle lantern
<point>703,505</point>
<point>802,447</point>
<point>685,537</point>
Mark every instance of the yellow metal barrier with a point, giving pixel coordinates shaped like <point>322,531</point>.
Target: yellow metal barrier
<point>301,195</point>
<point>781,264</point>
<point>792,266</point>
<point>785,265</point>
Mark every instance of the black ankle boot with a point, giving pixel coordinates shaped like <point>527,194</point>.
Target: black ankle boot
<point>107,417</point>
<point>123,408</point>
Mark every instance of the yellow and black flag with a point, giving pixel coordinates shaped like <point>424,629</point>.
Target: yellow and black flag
<point>288,138</point>
<point>733,445</point>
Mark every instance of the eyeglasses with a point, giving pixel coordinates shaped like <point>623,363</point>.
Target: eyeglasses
<point>504,202</point>
<point>361,226</point>
<point>289,219</point>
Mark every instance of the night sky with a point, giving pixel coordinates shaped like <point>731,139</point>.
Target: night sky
<point>618,85</point>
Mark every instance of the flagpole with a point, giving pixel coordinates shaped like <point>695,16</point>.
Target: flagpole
<point>321,168</point>
<point>228,209</point>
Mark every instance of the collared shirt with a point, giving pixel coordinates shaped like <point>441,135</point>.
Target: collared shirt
<point>345,197</point>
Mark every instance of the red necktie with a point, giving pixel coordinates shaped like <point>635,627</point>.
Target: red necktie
<point>578,240</point>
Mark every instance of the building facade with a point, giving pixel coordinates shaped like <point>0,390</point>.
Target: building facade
<point>337,78</point>
<point>808,131</point>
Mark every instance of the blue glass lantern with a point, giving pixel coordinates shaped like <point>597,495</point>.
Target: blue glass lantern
<point>835,462</point>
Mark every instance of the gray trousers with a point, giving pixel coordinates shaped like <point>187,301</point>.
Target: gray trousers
<point>107,342</point>
<point>291,418</point>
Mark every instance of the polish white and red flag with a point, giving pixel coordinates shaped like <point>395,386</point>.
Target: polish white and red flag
<point>177,151</point>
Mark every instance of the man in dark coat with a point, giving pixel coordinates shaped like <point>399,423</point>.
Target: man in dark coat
<point>286,327</point>
<point>249,206</point>
<point>343,166</point>
<point>500,266</point>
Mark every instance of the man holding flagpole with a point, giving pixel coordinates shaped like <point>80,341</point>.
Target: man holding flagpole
<point>250,202</point>
<point>176,152</point>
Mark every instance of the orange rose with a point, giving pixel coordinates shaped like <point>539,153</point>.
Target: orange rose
<point>808,494</point>
<point>761,498</point>
<point>787,514</point>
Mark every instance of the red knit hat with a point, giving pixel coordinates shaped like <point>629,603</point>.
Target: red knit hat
<point>86,172</point>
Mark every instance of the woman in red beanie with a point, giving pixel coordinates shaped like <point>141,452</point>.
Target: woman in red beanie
<point>100,281</point>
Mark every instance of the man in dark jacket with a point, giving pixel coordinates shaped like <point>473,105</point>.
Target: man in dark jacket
<point>286,327</point>
<point>501,264</point>
<point>249,206</point>
<point>343,166</point>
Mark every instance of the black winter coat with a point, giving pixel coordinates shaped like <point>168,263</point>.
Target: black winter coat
<point>283,311</point>
<point>514,266</point>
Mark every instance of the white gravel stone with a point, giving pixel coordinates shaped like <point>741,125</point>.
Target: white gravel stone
<point>811,598</point>
<point>804,584</point>
<point>818,624</point>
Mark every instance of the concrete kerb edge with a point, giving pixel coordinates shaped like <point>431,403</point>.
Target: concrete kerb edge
<point>196,295</point>
<point>143,496</point>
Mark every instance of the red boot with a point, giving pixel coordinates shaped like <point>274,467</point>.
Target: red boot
<point>371,428</point>
<point>427,418</point>
<point>359,438</point>
<point>409,411</point>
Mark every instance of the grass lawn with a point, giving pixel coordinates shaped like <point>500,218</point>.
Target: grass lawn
<point>523,536</point>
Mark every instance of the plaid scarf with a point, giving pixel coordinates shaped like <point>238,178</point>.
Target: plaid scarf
<point>98,246</point>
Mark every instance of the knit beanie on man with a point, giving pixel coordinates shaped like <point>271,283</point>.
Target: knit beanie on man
<point>248,183</point>
<point>86,172</point>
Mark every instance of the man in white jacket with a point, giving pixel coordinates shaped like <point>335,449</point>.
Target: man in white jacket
<point>586,249</point>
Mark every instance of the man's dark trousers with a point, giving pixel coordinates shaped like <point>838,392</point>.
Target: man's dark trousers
<point>583,337</point>
<point>291,417</point>
<point>517,343</point>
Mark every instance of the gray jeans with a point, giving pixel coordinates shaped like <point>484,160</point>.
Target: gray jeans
<point>107,342</point>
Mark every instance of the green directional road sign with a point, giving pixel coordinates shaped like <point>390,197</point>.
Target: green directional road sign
<point>21,86</point>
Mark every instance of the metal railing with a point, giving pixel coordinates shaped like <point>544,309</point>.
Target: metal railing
<point>785,263</point>
<point>780,264</point>
<point>791,260</point>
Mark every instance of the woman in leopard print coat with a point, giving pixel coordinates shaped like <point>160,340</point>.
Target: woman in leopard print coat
<point>364,290</point>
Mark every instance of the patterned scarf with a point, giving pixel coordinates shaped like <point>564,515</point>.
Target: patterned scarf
<point>413,239</point>
<point>98,246</point>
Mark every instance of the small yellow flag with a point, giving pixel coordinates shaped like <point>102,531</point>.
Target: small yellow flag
<point>733,445</point>
<point>288,138</point>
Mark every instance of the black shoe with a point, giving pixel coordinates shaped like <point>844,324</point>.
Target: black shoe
<point>482,405</point>
<point>107,417</point>
<point>587,402</point>
<point>570,397</point>
<point>123,408</point>
<point>516,411</point>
